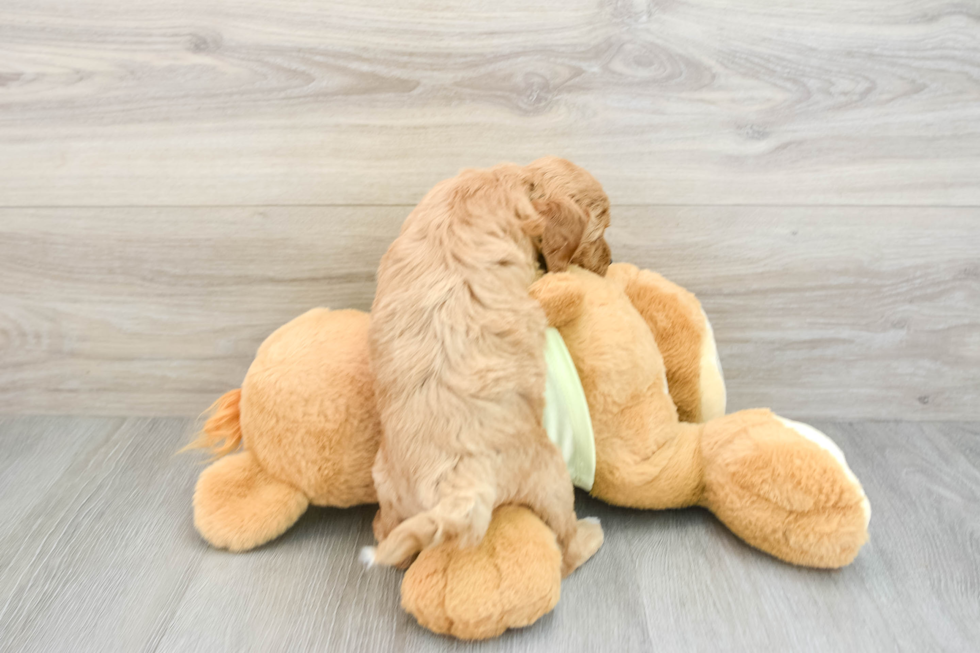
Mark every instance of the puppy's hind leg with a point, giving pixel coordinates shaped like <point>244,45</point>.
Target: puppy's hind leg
<point>549,492</point>
<point>463,511</point>
<point>385,521</point>
<point>585,543</point>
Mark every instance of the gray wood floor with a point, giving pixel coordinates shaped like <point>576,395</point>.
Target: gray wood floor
<point>97,553</point>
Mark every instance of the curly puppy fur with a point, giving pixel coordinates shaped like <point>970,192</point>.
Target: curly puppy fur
<point>457,352</point>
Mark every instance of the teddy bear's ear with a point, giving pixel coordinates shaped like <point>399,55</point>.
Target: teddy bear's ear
<point>562,225</point>
<point>561,295</point>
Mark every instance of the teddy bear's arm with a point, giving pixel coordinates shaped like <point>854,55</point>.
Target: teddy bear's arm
<point>685,338</point>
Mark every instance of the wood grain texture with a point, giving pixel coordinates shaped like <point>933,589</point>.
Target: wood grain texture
<point>106,559</point>
<point>843,313</point>
<point>103,559</point>
<point>819,312</point>
<point>311,102</point>
<point>150,311</point>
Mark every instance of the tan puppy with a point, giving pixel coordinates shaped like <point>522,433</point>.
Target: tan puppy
<point>457,349</point>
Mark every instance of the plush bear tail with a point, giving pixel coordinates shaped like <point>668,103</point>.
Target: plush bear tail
<point>222,432</point>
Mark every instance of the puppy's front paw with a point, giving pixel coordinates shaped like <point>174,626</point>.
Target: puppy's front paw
<point>510,580</point>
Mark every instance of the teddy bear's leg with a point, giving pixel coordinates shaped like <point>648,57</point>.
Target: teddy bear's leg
<point>785,488</point>
<point>510,580</point>
<point>685,338</point>
<point>239,506</point>
<point>653,469</point>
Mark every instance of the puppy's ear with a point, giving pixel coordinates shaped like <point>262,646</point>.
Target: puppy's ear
<point>563,225</point>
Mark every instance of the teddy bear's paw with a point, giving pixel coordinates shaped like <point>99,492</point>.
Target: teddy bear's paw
<point>238,506</point>
<point>511,579</point>
<point>851,487</point>
<point>785,488</point>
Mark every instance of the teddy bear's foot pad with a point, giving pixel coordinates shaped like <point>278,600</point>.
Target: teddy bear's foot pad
<point>510,580</point>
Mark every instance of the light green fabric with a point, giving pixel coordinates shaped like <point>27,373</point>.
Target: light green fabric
<point>566,412</point>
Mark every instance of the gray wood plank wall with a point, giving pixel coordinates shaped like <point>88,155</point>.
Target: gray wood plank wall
<point>179,178</point>
<point>311,102</point>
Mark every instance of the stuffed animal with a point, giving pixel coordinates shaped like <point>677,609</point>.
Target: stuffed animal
<point>646,360</point>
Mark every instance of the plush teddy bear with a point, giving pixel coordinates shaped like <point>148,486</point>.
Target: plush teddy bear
<point>647,364</point>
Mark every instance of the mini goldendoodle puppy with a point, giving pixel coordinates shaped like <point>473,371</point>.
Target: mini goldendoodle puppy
<point>457,349</point>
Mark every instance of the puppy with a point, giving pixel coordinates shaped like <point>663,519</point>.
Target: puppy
<point>457,353</point>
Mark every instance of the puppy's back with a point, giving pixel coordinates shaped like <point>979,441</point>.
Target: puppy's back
<point>457,354</point>
<point>451,301</point>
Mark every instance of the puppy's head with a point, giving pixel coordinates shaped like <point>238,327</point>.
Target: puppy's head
<point>571,215</point>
